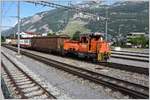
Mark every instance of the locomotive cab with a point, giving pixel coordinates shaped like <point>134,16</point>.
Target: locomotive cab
<point>90,46</point>
<point>95,45</point>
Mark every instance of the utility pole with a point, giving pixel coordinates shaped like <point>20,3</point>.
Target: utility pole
<point>119,29</point>
<point>69,5</point>
<point>1,18</point>
<point>18,11</point>
<point>106,23</point>
<point>120,26</point>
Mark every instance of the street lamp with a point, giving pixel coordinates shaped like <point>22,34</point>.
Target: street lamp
<point>106,23</point>
<point>120,28</point>
<point>119,36</point>
<point>18,10</point>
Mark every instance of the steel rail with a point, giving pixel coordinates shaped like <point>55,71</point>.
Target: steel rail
<point>96,77</point>
<point>13,82</point>
<point>130,55</point>
<point>130,68</point>
<point>128,58</point>
<point>133,52</point>
<point>29,77</point>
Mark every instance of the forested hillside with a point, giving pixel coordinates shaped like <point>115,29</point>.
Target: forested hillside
<point>125,17</point>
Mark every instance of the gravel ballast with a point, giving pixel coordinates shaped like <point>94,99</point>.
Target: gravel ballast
<point>121,74</point>
<point>39,69</point>
<point>73,86</point>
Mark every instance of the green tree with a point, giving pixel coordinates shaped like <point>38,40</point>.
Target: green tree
<point>2,39</point>
<point>143,40</point>
<point>140,40</point>
<point>133,41</point>
<point>76,36</point>
<point>50,33</point>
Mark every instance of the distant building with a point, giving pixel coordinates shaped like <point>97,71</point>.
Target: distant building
<point>133,35</point>
<point>45,34</point>
<point>28,34</point>
<point>7,41</point>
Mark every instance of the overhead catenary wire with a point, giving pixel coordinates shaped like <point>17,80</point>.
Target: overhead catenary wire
<point>5,14</point>
<point>73,8</point>
<point>5,11</point>
<point>1,11</point>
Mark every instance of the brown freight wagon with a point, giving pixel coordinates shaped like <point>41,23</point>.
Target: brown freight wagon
<point>52,44</point>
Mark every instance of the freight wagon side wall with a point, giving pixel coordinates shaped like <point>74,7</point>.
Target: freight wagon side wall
<point>44,44</point>
<point>48,44</point>
<point>60,44</point>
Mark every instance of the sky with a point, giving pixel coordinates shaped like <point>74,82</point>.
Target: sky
<point>9,10</point>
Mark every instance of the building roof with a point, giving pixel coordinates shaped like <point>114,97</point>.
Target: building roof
<point>32,33</point>
<point>93,33</point>
<point>137,33</point>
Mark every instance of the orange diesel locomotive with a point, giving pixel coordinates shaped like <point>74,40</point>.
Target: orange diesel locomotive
<point>90,46</point>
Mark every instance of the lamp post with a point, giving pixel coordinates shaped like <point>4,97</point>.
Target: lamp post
<point>18,11</point>
<point>106,23</point>
<point>119,31</point>
<point>1,17</point>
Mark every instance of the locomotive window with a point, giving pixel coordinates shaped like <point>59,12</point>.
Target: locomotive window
<point>96,37</point>
<point>84,40</point>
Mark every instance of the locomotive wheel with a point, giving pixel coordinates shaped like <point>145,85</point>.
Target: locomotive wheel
<point>105,60</point>
<point>63,53</point>
<point>94,60</point>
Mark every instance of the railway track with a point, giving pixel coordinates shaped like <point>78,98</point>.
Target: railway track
<point>125,87</point>
<point>135,69</point>
<point>135,56</point>
<point>23,85</point>
<point>131,52</point>
<point>130,68</point>
<point>121,56</point>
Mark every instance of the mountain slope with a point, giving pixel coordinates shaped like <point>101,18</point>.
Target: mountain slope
<point>125,16</point>
<point>43,22</point>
